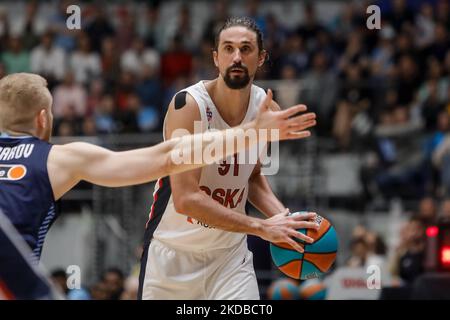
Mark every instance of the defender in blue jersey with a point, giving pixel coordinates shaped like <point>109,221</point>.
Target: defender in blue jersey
<point>34,173</point>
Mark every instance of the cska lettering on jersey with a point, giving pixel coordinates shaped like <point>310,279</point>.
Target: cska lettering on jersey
<point>229,198</point>
<point>17,152</point>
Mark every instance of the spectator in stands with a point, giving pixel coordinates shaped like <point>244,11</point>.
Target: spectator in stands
<point>4,29</point>
<point>443,12</point>
<point>310,26</point>
<point>274,38</point>
<point>104,115</point>
<point>185,26</point>
<point>67,95</point>
<point>177,61</point>
<point>110,61</point>
<point>139,56</point>
<point>100,27</point>
<point>113,279</point>
<point>59,280</point>
<point>131,287</point>
<point>2,70</point>
<point>64,38</point>
<point>432,94</point>
<point>149,88</point>
<point>441,44</point>
<point>97,88</point>
<point>84,63</point>
<point>295,53</point>
<point>202,64</point>
<point>288,94</point>
<point>425,24</point>
<point>376,249</point>
<point>320,89</point>
<point>126,28</point>
<point>29,27</point>
<point>444,212</point>
<point>48,60</point>
<point>427,211</point>
<point>382,57</point>
<point>15,58</point>
<point>88,127</point>
<point>125,87</point>
<point>359,252</point>
<point>401,17</point>
<point>151,29</point>
<point>127,117</point>
<point>354,98</point>
<point>252,11</point>
<point>407,80</point>
<point>100,291</point>
<point>408,262</point>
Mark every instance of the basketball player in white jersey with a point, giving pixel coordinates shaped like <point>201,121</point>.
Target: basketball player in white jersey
<point>195,243</point>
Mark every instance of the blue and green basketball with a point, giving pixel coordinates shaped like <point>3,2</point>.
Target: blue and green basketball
<point>283,289</point>
<point>313,289</point>
<point>318,257</point>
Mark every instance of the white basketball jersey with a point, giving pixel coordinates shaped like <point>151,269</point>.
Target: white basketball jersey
<point>226,183</point>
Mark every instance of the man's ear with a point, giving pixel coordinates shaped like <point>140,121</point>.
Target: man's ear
<point>262,57</point>
<point>216,60</point>
<point>42,119</point>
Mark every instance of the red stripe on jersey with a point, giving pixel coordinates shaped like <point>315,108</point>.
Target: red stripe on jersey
<point>155,198</point>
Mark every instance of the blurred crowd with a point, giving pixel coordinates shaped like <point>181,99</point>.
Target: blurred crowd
<point>383,93</point>
<point>113,283</point>
<point>405,259</point>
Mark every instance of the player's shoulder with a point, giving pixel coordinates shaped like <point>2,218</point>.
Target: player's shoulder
<point>184,105</point>
<point>183,112</point>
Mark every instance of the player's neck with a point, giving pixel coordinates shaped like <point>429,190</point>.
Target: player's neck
<point>232,104</point>
<point>18,133</point>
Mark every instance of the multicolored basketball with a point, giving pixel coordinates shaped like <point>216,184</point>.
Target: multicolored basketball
<point>283,289</point>
<point>313,289</point>
<point>318,257</point>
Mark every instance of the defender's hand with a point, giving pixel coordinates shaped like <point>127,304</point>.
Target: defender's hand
<point>290,125</point>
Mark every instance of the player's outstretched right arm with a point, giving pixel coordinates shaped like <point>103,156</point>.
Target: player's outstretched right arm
<point>71,163</point>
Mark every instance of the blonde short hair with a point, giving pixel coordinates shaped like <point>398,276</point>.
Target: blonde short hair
<point>22,96</point>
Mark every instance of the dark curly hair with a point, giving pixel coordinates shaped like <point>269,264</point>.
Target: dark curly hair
<point>242,22</point>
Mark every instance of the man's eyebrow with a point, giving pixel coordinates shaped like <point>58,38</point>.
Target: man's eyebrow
<point>242,42</point>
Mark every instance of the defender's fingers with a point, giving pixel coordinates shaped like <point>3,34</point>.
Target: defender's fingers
<point>310,116</point>
<point>293,110</point>
<point>267,100</point>
<point>297,135</point>
<point>302,126</point>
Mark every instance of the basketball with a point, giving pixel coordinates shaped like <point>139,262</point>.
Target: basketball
<point>318,257</point>
<point>313,289</point>
<point>283,289</point>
